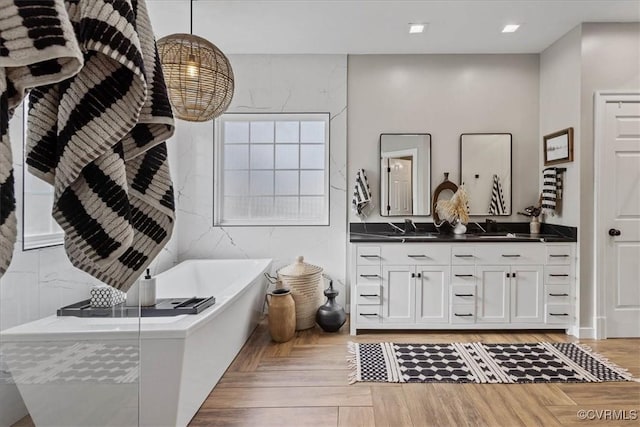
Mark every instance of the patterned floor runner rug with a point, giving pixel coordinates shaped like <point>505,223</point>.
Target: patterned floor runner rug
<point>480,363</point>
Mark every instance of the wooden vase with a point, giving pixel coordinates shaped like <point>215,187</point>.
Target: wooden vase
<point>282,315</point>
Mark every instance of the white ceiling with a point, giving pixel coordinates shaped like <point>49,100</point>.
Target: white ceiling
<point>381,26</point>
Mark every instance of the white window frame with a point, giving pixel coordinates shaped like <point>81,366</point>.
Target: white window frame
<point>218,184</point>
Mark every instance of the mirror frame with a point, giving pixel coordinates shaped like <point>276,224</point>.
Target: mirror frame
<point>510,169</point>
<point>428,205</point>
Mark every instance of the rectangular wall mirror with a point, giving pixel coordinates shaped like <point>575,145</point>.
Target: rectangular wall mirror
<point>405,174</point>
<point>485,171</point>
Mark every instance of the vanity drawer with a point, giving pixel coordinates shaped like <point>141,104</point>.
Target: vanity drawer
<point>510,253</point>
<point>368,294</point>
<point>463,255</point>
<point>463,313</point>
<point>557,294</point>
<point>463,275</point>
<point>463,294</point>
<point>368,315</point>
<point>558,254</point>
<point>558,313</point>
<point>368,274</point>
<point>416,254</point>
<point>557,274</point>
<point>368,255</point>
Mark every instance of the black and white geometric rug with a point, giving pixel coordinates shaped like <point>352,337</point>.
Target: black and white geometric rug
<point>480,363</point>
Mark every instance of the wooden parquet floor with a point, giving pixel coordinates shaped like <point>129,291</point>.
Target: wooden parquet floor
<point>305,383</point>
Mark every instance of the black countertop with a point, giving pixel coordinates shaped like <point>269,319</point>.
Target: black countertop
<point>427,232</point>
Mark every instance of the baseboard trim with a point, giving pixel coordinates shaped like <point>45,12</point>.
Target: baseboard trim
<point>586,333</point>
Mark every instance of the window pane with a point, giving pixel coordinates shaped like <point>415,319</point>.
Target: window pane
<point>262,156</point>
<point>312,182</point>
<point>312,207</point>
<point>286,156</point>
<point>236,132</point>
<point>312,132</point>
<point>236,183</point>
<point>262,207</point>
<point>287,132</point>
<point>312,157</point>
<point>236,157</point>
<point>261,132</point>
<point>236,207</point>
<point>286,207</point>
<point>286,183</point>
<point>261,183</point>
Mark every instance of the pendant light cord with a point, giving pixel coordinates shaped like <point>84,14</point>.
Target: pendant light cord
<point>191,17</point>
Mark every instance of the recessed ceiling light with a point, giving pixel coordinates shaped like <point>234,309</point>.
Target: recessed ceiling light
<point>510,28</point>
<point>416,28</point>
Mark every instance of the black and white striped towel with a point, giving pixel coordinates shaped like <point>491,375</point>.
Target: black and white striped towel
<point>551,191</point>
<point>98,138</point>
<point>37,46</point>
<point>361,193</point>
<point>497,205</point>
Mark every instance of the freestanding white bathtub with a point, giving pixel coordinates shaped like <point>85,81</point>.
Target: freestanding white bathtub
<point>84,371</point>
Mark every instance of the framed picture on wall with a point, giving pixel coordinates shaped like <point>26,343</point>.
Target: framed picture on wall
<point>558,147</point>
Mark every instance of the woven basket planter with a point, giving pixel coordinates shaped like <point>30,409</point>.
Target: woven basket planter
<point>305,282</point>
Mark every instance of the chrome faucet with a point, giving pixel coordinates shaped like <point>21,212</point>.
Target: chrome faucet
<point>395,227</point>
<point>408,222</point>
<point>480,227</point>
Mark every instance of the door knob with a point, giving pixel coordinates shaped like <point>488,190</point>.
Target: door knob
<point>614,232</point>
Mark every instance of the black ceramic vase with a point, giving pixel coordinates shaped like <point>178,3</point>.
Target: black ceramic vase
<point>331,316</point>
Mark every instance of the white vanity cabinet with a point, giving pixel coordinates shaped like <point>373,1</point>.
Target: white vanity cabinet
<point>462,285</point>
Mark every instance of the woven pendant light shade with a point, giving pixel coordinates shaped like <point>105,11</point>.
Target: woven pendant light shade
<point>198,75</point>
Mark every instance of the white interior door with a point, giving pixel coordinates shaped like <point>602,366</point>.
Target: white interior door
<point>400,188</point>
<point>619,225</point>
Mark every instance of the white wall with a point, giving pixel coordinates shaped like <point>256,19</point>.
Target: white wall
<point>610,61</point>
<point>560,77</point>
<point>444,95</point>
<point>269,83</point>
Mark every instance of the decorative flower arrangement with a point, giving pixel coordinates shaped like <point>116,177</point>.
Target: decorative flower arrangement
<point>455,209</point>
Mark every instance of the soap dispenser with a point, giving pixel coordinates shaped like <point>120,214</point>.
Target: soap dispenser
<point>147,290</point>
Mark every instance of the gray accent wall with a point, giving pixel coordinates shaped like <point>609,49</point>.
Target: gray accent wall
<point>444,95</point>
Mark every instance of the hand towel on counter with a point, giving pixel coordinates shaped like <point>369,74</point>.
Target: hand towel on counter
<point>361,193</point>
<point>37,47</point>
<point>497,205</point>
<point>98,138</point>
<point>551,191</point>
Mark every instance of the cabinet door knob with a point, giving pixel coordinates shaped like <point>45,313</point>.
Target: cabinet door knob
<point>614,232</point>
<point>419,275</point>
<point>413,275</point>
